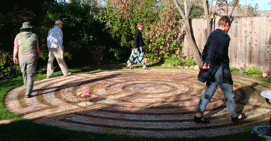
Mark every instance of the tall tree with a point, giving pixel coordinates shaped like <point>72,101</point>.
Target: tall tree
<point>185,7</point>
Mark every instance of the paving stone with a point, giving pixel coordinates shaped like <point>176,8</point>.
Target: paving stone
<point>5,121</point>
<point>154,103</point>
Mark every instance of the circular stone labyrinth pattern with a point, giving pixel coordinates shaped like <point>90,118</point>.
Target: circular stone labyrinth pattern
<point>152,103</point>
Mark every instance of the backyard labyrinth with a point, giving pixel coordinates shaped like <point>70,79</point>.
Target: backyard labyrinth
<point>153,103</point>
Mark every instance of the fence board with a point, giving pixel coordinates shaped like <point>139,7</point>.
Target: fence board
<point>249,44</point>
<point>245,46</point>
<point>257,42</point>
<point>263,38</point>
<point>250,41</point>
<point>239,49</point>
<point>269,43</point>
<point>233,44</point>
<point>266,47</point>
<point>247,56</point>
<point>232,31</point>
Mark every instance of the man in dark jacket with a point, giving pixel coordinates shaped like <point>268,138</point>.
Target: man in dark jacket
<point>216,71</point>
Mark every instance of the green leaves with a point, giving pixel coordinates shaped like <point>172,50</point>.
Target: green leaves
<point>160,32</point>
<point>87,28</point>
<point>7,67</point>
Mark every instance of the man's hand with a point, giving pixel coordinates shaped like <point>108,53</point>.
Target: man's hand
<point>205,66</point>
<point>15,60</point>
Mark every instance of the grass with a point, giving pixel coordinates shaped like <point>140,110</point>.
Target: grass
<point>262,79</point>
<point>252,72</point>
<point>9,84</point>
<point>25,130</point>
<point>22,129</point>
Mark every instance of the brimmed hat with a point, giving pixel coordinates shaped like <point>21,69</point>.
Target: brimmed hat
<point>26,25</point>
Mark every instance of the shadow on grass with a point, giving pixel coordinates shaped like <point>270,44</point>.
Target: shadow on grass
<point>26,130</point>
<point>152,64</point>
<point>159,63</point>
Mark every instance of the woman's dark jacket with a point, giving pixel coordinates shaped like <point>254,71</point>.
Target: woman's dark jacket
<point>215,53</point>
<point>138,40</point>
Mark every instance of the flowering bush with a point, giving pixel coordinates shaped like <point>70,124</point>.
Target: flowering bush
<point>160,20</point>
<point>163,32</point>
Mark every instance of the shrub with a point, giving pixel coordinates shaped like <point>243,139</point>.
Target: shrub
<point>8,68</point>
<point>251,70</point>
<point>174,60</point>
<point>190,62</point>
<point>160,32</point>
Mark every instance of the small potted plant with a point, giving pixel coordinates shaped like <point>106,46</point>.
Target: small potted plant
<point>85,95</point>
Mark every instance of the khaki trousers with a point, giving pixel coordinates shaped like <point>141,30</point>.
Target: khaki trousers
<point>28,69</point>
<point>58,54</point>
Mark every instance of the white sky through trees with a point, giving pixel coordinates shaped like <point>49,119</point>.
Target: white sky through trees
<point>262,4</point>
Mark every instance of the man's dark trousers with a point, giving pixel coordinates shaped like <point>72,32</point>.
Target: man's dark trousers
<point>210,91</point>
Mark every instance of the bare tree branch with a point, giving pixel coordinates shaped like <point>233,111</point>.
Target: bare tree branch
<point>185,9</point>
<point>207,17</point>
<point>179,9</point>
<point>214,11</point>
<point>205,6</point>
<point>235,4</point>
<point>190,10</point>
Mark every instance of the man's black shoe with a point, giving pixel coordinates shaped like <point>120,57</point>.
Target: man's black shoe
<point>236,119</point>
<point>200,120</point>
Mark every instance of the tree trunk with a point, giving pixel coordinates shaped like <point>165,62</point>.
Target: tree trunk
<point>190,36</point>
<point>195,50</point>
<point>208,17</point>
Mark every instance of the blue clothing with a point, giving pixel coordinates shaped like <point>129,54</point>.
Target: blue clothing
<point>55,38</point>
<point>210,91</point>
<point>136,57</point>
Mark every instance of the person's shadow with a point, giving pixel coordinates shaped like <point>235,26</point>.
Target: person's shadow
<point>241,100</point>
<point>245,93</point>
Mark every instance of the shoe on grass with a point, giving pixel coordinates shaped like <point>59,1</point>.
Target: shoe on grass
<point>69,73</point>
<point>145,68</point>
<point>200,120</point>
<point>238,118</point>
<point>129,66</point>
<point>49,76</point>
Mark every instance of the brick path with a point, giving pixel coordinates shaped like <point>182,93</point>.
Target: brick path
<point>154,103</point>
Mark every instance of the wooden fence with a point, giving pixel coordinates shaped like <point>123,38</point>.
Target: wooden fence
<point>250,41</point>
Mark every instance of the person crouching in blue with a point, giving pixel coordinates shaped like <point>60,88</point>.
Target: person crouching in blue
<point>137,54</point>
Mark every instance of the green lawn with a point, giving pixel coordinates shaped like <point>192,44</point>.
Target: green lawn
<point>21,129</point>
<point>25,130</point>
